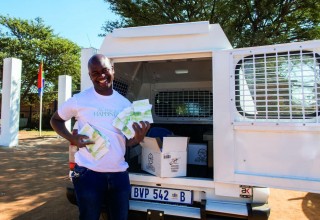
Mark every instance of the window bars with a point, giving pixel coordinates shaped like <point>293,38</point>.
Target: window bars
<point>185,105</point>
<point>277,87</point>
<point>121,85</point>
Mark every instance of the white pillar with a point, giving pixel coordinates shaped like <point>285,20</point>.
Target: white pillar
<point>10,107</point>
<point>64,93</point>
<point>86,54</point>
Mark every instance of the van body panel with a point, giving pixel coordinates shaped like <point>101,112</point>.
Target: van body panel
<point>182,38</point>
<point>279,152</point>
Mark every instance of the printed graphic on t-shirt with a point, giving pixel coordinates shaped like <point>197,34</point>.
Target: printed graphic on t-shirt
<point>104,112</point>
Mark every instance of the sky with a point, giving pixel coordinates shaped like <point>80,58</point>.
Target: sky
<point>77,20</point>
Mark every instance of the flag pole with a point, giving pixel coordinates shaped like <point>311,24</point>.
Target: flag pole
<point>40,92</point>
<point>40,119</point>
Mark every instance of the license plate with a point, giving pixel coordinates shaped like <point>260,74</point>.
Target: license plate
<point>245,191</point>
<point>161,194</point>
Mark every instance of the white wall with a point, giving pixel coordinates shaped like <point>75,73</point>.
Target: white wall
<point>64,93</point>
<point>10,108</point>
<point>86,54</point>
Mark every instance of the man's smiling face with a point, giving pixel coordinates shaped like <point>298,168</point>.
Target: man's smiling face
<point>101,74</point>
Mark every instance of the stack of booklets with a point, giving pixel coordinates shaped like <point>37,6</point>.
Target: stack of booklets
<point>139,111</point>
<point>101,144</point>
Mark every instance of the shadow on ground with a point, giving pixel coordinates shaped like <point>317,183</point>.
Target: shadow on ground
<point>311,205</point>
<point>33,178</point>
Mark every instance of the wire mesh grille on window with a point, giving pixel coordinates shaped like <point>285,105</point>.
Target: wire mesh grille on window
<point>278,87</point>
<point>183,104</point>
<point>120,85</point>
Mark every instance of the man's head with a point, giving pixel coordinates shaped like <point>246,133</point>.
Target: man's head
<point>101,74</point>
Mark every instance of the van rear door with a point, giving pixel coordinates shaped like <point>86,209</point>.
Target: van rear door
<point>266,116</point>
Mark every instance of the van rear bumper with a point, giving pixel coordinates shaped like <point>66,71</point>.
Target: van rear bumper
<point>210,210</point>
<point>207,209</point>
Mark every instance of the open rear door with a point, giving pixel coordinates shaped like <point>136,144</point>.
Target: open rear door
<point>266,116</point>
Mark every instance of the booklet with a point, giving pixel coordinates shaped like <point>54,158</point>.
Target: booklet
<point>139,111</point>
<point>101,144</point>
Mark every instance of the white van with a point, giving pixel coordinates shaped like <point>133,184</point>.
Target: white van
<point>255,112</point>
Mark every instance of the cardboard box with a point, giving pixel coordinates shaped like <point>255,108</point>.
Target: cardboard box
<point>167,159</point>
<point>197,154</point>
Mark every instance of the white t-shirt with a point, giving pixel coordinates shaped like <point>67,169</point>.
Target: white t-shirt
<point>99,111</point>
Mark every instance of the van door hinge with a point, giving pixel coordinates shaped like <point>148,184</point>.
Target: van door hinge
<point>155,214</point>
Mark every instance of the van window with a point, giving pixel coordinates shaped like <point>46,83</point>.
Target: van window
<point>183,104</point>
<point>278,86</point>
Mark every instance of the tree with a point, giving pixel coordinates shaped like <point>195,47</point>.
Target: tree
<point>32,41</point>
<point>246,23</point>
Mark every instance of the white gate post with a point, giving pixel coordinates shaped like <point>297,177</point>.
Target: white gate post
<point>64,93</point>
<point>10,107</point>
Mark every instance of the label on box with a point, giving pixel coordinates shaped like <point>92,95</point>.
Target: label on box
<point>149,165</point>
<point>197,154</point>
<point>174,163</point>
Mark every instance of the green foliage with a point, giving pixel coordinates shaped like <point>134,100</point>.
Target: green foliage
<point>32,41</point>
<point>246,23</point>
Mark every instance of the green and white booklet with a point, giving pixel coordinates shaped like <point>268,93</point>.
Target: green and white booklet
<point>139,111</point>
<point>101,144</point>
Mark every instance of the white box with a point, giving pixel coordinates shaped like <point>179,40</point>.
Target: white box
<point>167,159</point>
<point>197,154</point>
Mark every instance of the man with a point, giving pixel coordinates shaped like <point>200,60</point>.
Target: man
<point>99,180</point>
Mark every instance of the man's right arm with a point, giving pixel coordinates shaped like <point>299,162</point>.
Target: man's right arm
<point>58,124</point>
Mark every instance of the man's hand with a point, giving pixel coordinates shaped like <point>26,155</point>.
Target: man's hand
<point>81,140</point>
<point>141,130</point>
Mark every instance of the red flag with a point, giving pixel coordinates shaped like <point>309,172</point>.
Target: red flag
<point>40,79</point>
